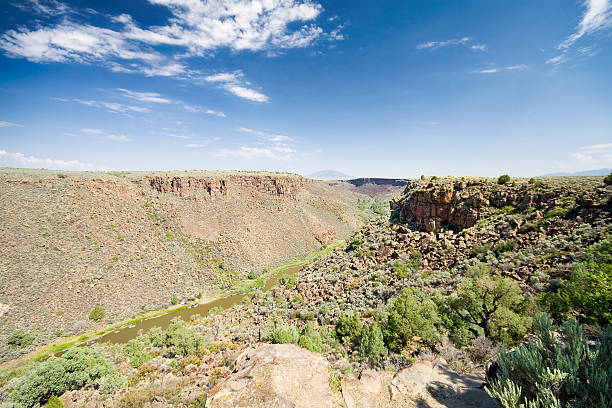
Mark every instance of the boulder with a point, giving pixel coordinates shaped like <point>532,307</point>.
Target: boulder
<point>275,375</point>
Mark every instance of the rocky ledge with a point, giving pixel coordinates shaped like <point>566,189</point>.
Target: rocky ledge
<point>458,204</point>
<point>211,187</point>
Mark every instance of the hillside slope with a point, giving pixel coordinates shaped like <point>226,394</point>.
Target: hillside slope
<point>130,241</point>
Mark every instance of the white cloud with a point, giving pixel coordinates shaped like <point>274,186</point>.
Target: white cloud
<point>46,7</point>
<point>9,159</point>
<point>271,137</point>
<point>603,146</point>
<point>454,41</point>
<point>559,59</point>
<point>92,131</point>
<point>246,93</point>
<point>501,69</point>
<point>119,138</point>
<point>200,109</point>
<point>153,97</point>
<point>597,16</point>
<point>233,82</point>
<point>275,153</point>
<point>110,106</point>
<point>194,28</point>
<point>9,124</point>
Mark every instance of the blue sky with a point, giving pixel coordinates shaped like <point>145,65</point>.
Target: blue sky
<point>387,89</point>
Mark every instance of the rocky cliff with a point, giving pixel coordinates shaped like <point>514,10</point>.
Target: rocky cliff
<point>459,204</point>
<point>211,187</point>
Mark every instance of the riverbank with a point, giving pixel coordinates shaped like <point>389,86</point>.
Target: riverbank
<point>129,328</point>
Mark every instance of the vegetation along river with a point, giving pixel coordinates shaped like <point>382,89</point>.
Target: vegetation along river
<point>125,334</point>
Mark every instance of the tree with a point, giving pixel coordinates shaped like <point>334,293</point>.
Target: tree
<point>411,314</point>
<point>492,304</point>
<point>608,179</point>
<point>372,344</point>
<point>348,328</point>
<point>503,179</point>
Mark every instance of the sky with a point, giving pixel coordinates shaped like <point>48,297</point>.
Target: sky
<point>368,88</point>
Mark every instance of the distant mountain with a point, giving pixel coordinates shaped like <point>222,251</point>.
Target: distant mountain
<point>329,175</point>
<point>599,172</point>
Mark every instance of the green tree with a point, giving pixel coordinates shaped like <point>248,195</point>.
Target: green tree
<point>412,313</point>
<point>372,344</point>
<point>491,305</point>
<point>310,339</point>
<point>608,179</point>
<point>97,313</point>
<point>348,328</point>
<point>503,179</point>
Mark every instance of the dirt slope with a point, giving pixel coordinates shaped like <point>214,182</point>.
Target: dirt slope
<point>129,242</point>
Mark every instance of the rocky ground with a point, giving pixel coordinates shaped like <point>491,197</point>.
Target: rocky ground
<point>530,231</point>
<point>129,242</point>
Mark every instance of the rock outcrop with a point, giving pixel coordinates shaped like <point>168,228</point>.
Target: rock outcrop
<point>275,375</point>
<point>424,383</point>
<point>459,204</point>
<point>211,187</point>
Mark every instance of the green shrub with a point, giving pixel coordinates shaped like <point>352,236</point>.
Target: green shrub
<point>556,213</point>
<point>587,292</point>
<point>61,176</point>
<point>278,333</point>
<point>503,179</point>
<point>608,179</point>
<point>348,328</point>
<point>412,313</point>
<point>112,382</point>
<point>434,178</point>
<point>532,181</point>
<point>215,310</point>
<point>372,344</point>
<point>356,242</point>
<point>135,350</point>
<point>180,338</point>
<point>252,275</point>
<point>504,246</point>
<point>20,339</point>
<point>174,300</point>
<point>288,281</point>
<point>97,313</point>
<point>75,369</point>
<point>422,177</point>
<point>55,402</point>
<point>310,339</point>
<point>556,371</point>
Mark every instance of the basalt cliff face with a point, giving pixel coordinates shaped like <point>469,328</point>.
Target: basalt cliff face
<point>459,204</point>
<point>211,187</point>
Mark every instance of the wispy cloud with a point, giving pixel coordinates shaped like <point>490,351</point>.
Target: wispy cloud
<point>234,83</point>
<point>45,7</point>
<point>274,152</point>
<point>597,155</point>
<point>17,159</point>
<point>464,41</point>
<point>110,136</point>
<point>109,106</point>
<point>4,124</point>
<point>196,145</point>
<point>500,69</point>
<point>152,97</point>
<point>597,16</point>
<point>270,137</point>
<point>200,109</point>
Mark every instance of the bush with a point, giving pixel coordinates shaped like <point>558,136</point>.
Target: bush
<point>112,382</point>
<point>288,281</point>
<point>412,313</point>
<point>252,275</point>
<point>180,338</point>
<point>348,328</point>
<point>504,246</point>
<point>135,350</point>
<point>608,179</point>
<point>20,339</point>
<point>75,369</point>
<point>503,179</point>
<point>310,339</point>
<point>372,344</point>
<point>55,402</point>
<point>556,213</point>
<point>174,300</point>
<point>554,371</point>
<point>532,181</point>
<point>356,242</point>
<point>97,313</point>
<point>278,333</point>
